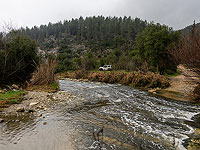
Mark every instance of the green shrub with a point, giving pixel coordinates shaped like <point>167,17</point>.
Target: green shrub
<point>18,54</point>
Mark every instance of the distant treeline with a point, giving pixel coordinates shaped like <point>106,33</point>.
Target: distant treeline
<point>90,28</point>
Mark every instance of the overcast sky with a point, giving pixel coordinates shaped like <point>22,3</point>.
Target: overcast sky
<point>175,13</point>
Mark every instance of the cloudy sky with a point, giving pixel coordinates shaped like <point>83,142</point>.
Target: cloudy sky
<point>175,13</point>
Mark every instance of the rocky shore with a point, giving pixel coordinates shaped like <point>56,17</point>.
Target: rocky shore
<point>38,101</point>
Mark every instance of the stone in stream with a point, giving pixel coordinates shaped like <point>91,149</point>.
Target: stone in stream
<point>1,120</point>
<point>33,103</point>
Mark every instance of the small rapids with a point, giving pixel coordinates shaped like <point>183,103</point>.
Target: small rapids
<point>132,119</point>
<point>105,116</point>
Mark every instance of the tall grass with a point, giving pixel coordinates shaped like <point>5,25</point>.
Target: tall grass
<point>136,79</point>
<point>45,73</point>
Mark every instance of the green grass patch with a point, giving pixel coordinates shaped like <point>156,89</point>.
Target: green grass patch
<point>12,97</point>
<point>173,74</point>
<point>46,88</point>
<point>54,86</point>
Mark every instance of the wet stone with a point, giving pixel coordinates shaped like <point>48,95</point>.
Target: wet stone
<point>1,120</point>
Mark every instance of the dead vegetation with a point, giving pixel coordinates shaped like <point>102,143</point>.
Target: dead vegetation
<point>136,79</point>
<point>44,79</point>
<point>44,74</point>
<point>187,52</point>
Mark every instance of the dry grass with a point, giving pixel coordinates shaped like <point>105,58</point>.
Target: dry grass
<point>136,79</point>
<point>44,74</point>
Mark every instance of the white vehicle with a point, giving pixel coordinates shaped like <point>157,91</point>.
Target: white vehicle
<point>106,68</point>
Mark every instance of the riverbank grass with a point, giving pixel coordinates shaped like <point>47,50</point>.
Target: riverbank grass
<point>54,87</point>
<point>174,74</point>
<point>138,79</point>
<point>11,97</point>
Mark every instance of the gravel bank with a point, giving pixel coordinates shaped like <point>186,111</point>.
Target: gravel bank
<point>36,101</point>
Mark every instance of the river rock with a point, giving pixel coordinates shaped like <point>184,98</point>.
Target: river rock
<point>33,103</point>
<point>20,109</point>
<point>1,120</point>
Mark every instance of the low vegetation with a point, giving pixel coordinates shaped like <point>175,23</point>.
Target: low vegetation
<point>44,77</point>
<point>145,51</point>
<point>17,55</point>
<point>187,52</point>
<point>136,79</point>
<point>11,97</point>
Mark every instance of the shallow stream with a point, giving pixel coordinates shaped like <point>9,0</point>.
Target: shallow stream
<point>105,116</point>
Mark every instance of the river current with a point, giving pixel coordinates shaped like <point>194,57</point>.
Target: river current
<point>106,116</point>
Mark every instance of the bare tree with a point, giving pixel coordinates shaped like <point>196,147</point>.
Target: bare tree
<point>187,50</point>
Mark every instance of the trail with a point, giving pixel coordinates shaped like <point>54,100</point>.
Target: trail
<point>182,86</point>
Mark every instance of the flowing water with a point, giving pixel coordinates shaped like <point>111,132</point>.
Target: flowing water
<point>105,116</point>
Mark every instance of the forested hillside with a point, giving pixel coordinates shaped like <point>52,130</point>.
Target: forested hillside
<point>187,30</point>
<point>125,43</point>
<point>92,29</point>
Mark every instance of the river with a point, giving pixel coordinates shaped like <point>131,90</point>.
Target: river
<point>105,116</point>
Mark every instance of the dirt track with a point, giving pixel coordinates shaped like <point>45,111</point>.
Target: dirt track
<point>182,86</point>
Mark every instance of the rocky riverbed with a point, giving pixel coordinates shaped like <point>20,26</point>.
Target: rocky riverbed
<point>37,101</point>
<point>92,115</point>
<point>33,124</point>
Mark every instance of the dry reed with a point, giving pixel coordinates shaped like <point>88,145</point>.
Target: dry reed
<point>44,74</point>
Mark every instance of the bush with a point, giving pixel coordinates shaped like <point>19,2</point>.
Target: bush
<point>45,73</point>
<point>80,74</point>
<point>128,78</point>
<point>17,56</point>
<point>136,79</point>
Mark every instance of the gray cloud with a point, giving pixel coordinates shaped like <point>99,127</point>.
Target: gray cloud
<point>175,13</point>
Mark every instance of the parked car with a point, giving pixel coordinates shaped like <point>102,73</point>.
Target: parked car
<point>106,68</point>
